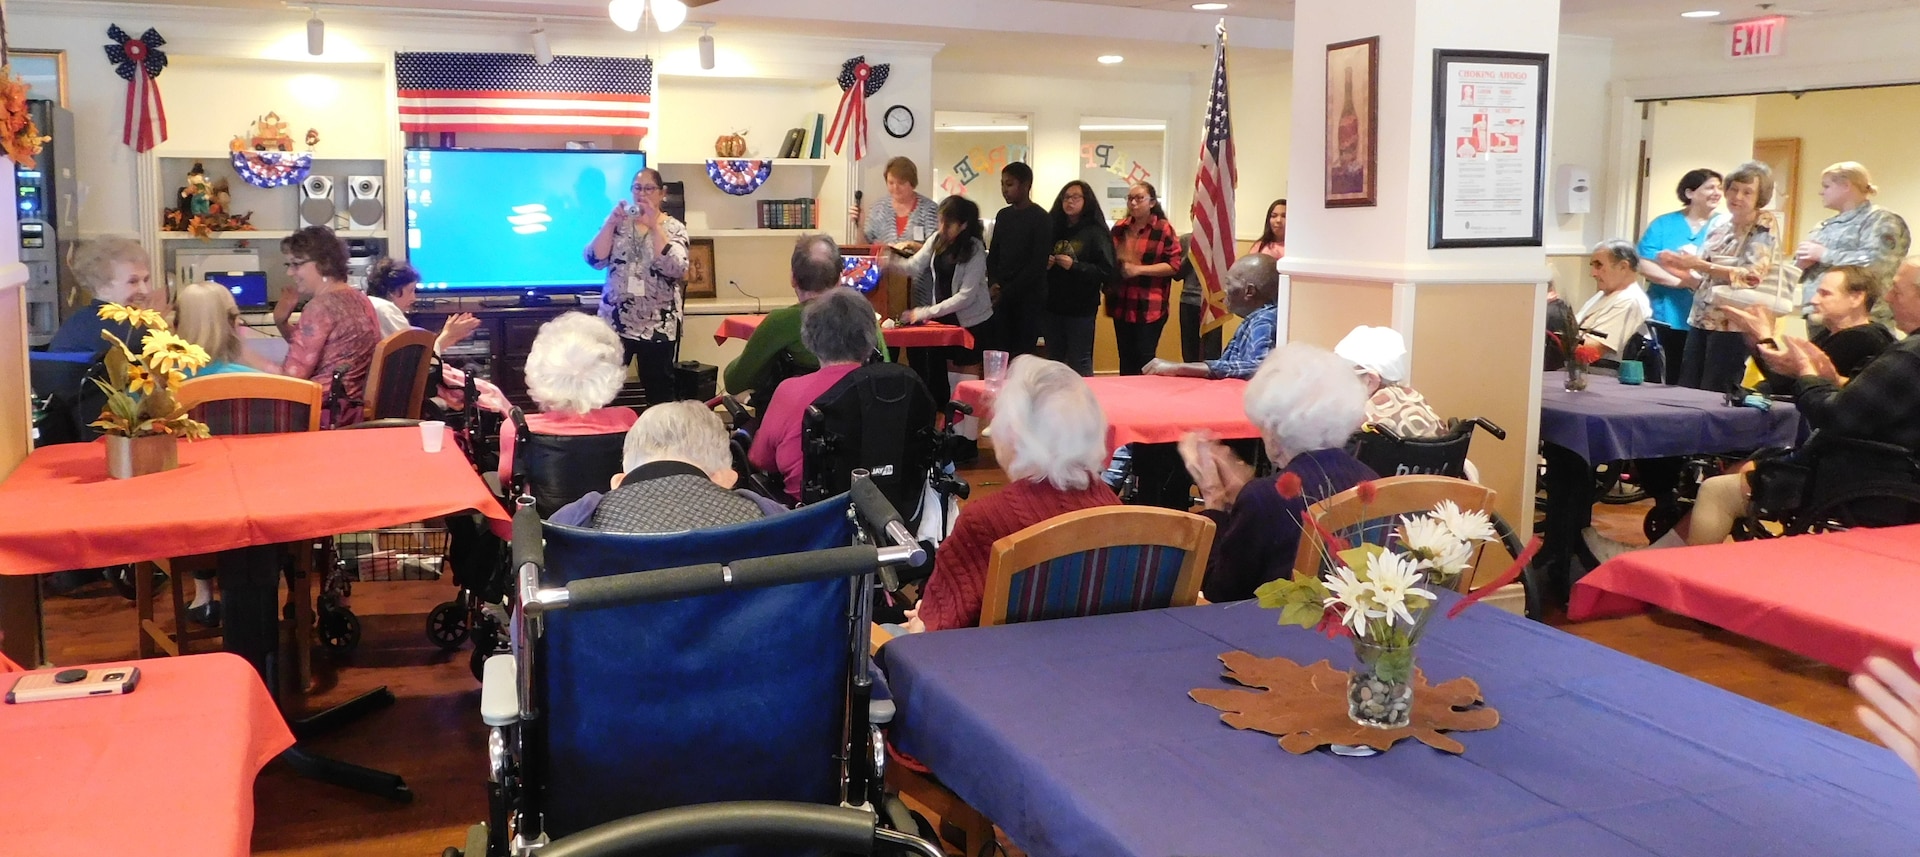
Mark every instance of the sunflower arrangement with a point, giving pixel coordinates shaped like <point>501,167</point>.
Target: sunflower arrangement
<point>19,138</point>
<point>140,386</point>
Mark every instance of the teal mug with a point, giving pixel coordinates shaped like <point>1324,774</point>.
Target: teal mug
<point>1633,372</point>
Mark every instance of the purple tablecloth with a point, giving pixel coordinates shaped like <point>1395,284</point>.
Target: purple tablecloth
<point>1077,737</point>
<point>1610,421</point>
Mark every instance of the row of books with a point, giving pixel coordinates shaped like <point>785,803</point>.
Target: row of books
<point>788,214</point>
<point>804,141</point>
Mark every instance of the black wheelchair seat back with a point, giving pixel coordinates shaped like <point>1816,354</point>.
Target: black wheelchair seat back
<point>559,469</point>
<point>879,418</point>
<point>64,383</point>
<point>737,695</point>
<point>1389,454</point>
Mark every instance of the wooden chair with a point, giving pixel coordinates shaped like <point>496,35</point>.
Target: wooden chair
<point>1403,495</point>
<point>1112,559</point>
<point>397,386</point>
<point>236,403</point>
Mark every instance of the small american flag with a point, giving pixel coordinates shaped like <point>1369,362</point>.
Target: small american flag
<point>1212,248</point>
<point>514,93</point>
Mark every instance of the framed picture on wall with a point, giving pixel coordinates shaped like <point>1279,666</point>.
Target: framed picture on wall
<point>1353,137</point>
<point>700,276</point>
<point>1489,138</point>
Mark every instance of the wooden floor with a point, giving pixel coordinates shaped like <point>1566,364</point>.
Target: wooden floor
<point>433,736</point>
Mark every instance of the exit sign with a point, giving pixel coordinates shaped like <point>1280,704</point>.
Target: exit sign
<point>1760,37</point>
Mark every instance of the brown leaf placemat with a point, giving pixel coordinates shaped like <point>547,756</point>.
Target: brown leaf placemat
<point>1307,706</point>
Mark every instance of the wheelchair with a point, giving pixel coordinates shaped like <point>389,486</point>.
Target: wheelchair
<point>1832,484</point>
<point>684,683</point>
<point>1389,454</point>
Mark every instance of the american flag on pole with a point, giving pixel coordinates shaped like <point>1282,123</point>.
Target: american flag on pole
<point>514,93</point>
<point>1212,248</point>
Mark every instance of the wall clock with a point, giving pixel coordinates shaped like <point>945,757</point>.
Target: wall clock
<point>899,121</point>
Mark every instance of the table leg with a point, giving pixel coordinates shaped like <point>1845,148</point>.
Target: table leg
<point>22,637</point>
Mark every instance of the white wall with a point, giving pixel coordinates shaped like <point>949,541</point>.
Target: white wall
<point>1579,76</point>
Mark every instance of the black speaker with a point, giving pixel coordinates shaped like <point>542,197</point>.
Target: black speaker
<point>695,380</point>
<point>675,204</point>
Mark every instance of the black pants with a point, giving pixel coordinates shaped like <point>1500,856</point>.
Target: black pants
<point>1194,347</point>
<point>1022,320</point>
<point>1716,360</point>
<point>1673,349</point>
<point>655,357</point>
<point>931,363</point>
<point>1070,341</point>
<point>1137,343</point>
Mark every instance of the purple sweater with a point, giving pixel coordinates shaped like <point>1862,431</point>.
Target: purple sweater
<point>1257,540</point>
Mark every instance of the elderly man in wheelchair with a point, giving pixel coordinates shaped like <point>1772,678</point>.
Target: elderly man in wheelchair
<point>1858,469</point>
<point>687,670</point>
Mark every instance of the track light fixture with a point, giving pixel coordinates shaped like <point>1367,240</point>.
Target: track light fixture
<point>542,46</point>
<point>316,33</point>
<point>706,45</point>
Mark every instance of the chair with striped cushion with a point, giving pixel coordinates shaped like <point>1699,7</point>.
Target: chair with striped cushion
<point>1111,559</point>
<point>234,403</point>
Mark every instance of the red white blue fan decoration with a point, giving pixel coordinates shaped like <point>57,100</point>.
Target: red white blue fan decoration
<point>272,169</point>
<point>860,272</point>
<point>139,62</point>
<point>858,82</point>
<point>738,177</point>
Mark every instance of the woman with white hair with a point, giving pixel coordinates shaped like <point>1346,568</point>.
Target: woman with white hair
<point>679,477</point>
<point>1379,355</point>
<point>113,270</point>
<point>1052,439</point>
<point>1306,401</point>
<point>576,366</point>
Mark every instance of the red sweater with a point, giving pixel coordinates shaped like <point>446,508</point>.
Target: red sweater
<point>959,580</point>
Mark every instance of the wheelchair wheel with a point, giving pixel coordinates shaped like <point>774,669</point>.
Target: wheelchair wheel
<point>1661,518</point>
<point>1866,506</point>
<point>447,625</point>
<point>339,630</point>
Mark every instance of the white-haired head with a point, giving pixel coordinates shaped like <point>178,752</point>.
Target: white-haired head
<point>1380,351</point>
<point>1050,425</point>
<point>576,364</point>
<point>679,431</point>
<point>1305,398</point>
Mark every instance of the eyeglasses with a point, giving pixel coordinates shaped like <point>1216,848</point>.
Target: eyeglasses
<point>645,188</point>
<point>295,263</point>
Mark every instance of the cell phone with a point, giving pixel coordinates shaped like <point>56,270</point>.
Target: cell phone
<point>44,685</point>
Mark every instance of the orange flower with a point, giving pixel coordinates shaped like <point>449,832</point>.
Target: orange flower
<point>1368,493</point>
<point>1288,484</point>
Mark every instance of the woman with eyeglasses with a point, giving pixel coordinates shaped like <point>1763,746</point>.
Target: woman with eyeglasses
<point>338,325</point>
<point>1149,254</point>
<point>1081,265</point>
<point>644,252</point>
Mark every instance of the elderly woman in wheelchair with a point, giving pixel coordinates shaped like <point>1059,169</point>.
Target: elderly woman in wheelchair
<point>677,476</point>
<point>837,328</point>
<point>574,370</point>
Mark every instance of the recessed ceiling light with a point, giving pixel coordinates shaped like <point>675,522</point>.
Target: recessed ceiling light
<point>1701,13</point>
<point>1110,59</point>
<point>1209,7</point>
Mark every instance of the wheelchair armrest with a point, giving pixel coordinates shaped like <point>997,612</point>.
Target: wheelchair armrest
<point>880,707</point>
<point>492,478</point>
<point>499,692</point>
<point>1487,426</point>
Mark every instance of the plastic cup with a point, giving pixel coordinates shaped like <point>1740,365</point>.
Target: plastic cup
<point>433,433</point>
<point>996,367</point>
<point>1633,372</point>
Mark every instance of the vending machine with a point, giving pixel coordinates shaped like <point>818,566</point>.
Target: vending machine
<point>48,205</point>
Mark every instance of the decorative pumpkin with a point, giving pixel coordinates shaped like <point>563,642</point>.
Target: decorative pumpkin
<point>731,145</point>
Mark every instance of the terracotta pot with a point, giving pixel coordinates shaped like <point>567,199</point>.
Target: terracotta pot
<point>128,457</point>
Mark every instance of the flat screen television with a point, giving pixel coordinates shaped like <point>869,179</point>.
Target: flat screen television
<point>499,220</point>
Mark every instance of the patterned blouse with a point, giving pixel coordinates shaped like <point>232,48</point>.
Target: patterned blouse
<point>1752,253</point>
<point>338,328</point>
<point>1143,300</point>
<point>645,293</point>
<point>1405,412</point>
<point>882,228</point>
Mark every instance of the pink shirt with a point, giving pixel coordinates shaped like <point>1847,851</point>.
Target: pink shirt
<point>338,328</point>
<point>599,421</point>
<point>777,443</point>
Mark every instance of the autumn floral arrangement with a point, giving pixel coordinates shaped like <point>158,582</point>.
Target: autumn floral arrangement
<point>19,137</point>
<point>1578,354</point>
<point>1377,585</point>
<point>141,385</point>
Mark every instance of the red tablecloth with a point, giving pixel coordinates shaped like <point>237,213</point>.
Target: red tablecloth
<point>915,336</point>
<point>1836,598</point>
<point>228,492</point>
<point>1151,408</point>
<point>165,770</point>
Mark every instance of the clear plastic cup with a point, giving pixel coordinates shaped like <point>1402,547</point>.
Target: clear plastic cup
<point>996,368</point>
<point>433,433</point>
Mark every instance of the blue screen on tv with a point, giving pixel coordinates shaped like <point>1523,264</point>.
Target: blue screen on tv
<point>511,220</point>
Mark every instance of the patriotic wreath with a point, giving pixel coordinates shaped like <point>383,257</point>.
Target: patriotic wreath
<point>739,178</point>
<point>139,62</point>
<point>272,169</point>
<point>860,272</point>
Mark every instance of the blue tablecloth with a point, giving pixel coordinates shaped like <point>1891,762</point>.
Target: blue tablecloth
<point>1077,737</point>
<point>1610,421</point>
